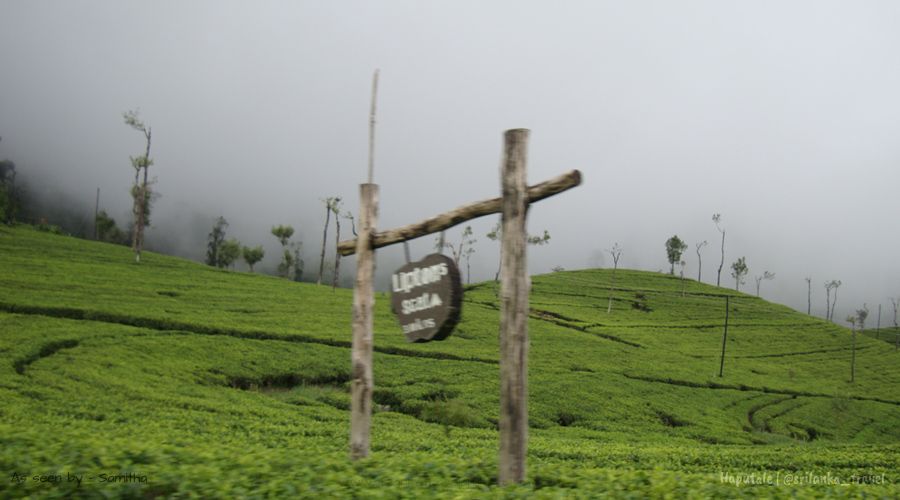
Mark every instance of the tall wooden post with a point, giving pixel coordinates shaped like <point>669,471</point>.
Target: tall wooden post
<point>724,337</point>
<point>361,383</point>
<point>513,312</point>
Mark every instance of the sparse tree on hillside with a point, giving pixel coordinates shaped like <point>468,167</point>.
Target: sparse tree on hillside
<point>681,265</point>
<point>8,194</point>
<point>108,231</point>
<point>140,191</point>
<point>229,252</point>
<point>829,303</point>
<point>337,240</point>
<point>284,233</point>
<point>467,254</point>
<point>861,315</point>
<point>297,270</point>
<point>457,250</point>
<point>253,255</point>
<point>331,204</point>
<point>739,269</point>
<point>496,233</point>
<point>717,218</point>
<point>615,252</point>
<point>852,320</point>
<point>808,295</point>
<point>895,302</point>
<point>215,239</point>
<point>759,279</point>
<point>699,259</point>
<point>674,248</point>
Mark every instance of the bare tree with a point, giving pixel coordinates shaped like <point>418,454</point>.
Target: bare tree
<point>717,218</point>
<point>759,279</point>
<point>837,284</point>
<point>895,302</point>
<point>495,235</point>
<point>852,320</point>
<point>829,304</point>
<point>681,265</point>
<point>329,208</point>
<point>808,294</point>
<point>615,252</point>
<point>336,208</point>
<point>698,246</point>
<point>140,190</point>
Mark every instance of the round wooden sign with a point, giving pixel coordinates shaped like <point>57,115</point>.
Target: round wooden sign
<point>426,296</point>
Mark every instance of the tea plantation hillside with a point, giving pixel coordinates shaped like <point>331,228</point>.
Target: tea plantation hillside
<point>171,378</point>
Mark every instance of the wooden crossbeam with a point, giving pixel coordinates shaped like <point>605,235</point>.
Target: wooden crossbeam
<point>462,214</point>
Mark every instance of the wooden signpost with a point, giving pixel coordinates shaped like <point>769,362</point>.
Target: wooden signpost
<point>426,296</point>
<point>513,206</point>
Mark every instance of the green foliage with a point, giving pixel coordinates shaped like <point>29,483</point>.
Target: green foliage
<point>214,241</point>
<point>236,385</point>
<point>291,265</point>
<point>674,248</point>
<point>283,233</point>
<point>108,231</point>
<point>739,269</point>
<point>253,255</point>
<point>229,253</point>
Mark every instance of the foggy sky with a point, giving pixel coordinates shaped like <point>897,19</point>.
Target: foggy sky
<point>782,116</point>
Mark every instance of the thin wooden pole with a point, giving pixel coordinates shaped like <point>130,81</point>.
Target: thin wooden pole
<point>724,337</point>
<point>372,127</point>
<point>514,312</point>
<point>361,384</point>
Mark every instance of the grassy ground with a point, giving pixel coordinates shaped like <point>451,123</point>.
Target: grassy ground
<point>209,383</point>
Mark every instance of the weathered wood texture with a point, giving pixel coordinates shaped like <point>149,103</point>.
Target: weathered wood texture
<point>464,213</point>
<point>361,383</point>
<point>514,311</point>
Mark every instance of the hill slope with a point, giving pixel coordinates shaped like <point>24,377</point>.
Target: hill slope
<point>221,383</point>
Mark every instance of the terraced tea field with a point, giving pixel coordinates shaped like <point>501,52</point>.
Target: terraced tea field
<point>171,378</point>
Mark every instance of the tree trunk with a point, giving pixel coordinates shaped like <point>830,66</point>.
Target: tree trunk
<point>828,304</point>
<point>722,262</point>
<point>833,303</point>
<point>324,241</point>
<point>362,383</point>
<point>514,313</point>
<point>809,297</point>
<point>337,254</point>
<point>612,286</point>
<point>699,266</point>
<point>853,357</point>
<point>96,213</point>
<point>878,324</point>
<point>724,338</point>
<point>138,242</point>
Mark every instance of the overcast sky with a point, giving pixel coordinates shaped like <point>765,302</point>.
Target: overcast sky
<point>782,116</point>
